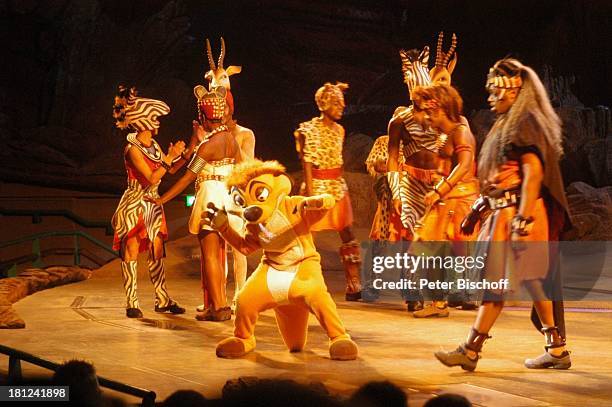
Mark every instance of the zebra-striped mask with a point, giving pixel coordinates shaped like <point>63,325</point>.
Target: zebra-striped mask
<point>414,67</point>
<point>140,114</point>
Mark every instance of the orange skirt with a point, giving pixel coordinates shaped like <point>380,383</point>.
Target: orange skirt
<point>502,261</point>
<point>443,221</point>
<point>337,218</point>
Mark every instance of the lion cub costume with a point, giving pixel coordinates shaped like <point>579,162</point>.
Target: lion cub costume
<point>289,278</point>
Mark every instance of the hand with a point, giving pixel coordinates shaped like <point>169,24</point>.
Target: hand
<point>397,205</point>
<point>197,133</point>
<point>175,150</point>
<point>380,166</point>
<point>431,198</point>
<point>468,225</point>
<point>518,242</point>
<point>156,201</point>
<point>214,217</point>
<point>318,202</point>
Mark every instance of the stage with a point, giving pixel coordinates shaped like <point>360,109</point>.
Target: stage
<point>165,353</point>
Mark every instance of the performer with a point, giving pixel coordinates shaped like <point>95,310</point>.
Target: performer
<point>140,225</point>
<point>219,76</point>
<point>213,160</point>
<point>454,193</point>
<point>289,278</point>
<point>319,144</point>
<point>522,186</point>
<point>411,180</point>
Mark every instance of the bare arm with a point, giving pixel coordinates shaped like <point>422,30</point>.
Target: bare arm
<point>245,245</point>
<point>197,135</point>
<point>307,166</point>
<point>395,132</point>
<point>178,187</point>
<point>464,158</point>
<point>532,182</point>
<point>247,144</point>
<point>137,159</point>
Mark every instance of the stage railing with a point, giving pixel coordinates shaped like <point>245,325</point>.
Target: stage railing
<point>37,254</point>
<point>15,375</point>
<point>37,215</point>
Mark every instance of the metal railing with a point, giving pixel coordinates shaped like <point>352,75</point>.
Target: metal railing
<point>37,255</point>
<point>15,376</point>
<point>37,215</point>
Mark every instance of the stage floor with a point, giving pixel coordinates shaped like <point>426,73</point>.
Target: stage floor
<point>165,353</point>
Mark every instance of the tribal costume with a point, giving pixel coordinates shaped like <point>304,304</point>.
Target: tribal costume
<point>323,148</point>
<point>320,146</point>
<point>528,128</point>
<point>410,184</point>
<point>210,182</point>
<point>219,76</point>
<point>135,216</point>
<point>453,194</point>
<point>387,224</point>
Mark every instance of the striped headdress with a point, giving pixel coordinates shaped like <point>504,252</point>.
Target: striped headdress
<point>414,67</point>
<point>502,78</point>
<point>135,112</point>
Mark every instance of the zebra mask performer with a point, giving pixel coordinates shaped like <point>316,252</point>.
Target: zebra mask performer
<point>140,225</point>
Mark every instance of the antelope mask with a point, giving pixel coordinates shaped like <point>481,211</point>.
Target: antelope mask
<point>218,75</point>
<point>442,71</point>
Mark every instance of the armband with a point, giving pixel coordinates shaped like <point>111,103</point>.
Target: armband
<point>196,165</point>
<point>442,184</point>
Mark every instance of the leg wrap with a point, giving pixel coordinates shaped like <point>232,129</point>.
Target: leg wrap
<point>157,273</point>
<point>350,253</point>
<point>475,340</point>
<point>553,338</point>
<point>351,258</point>
<point>130,273</point>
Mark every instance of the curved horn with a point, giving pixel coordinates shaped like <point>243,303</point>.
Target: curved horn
<point>439,60</point>
<point>222,54</point>
<point>451,50</point>
<point>424,56</point>
<point>211,62</point>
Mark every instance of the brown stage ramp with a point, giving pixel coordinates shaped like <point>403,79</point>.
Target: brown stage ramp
<point>165,353</point>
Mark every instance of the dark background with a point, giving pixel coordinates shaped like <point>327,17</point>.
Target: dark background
<point>62,60</point>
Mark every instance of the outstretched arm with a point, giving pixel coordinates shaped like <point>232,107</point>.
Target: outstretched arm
<point>178,187</point>
<point>218,220</point>
<point>197,135</point>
